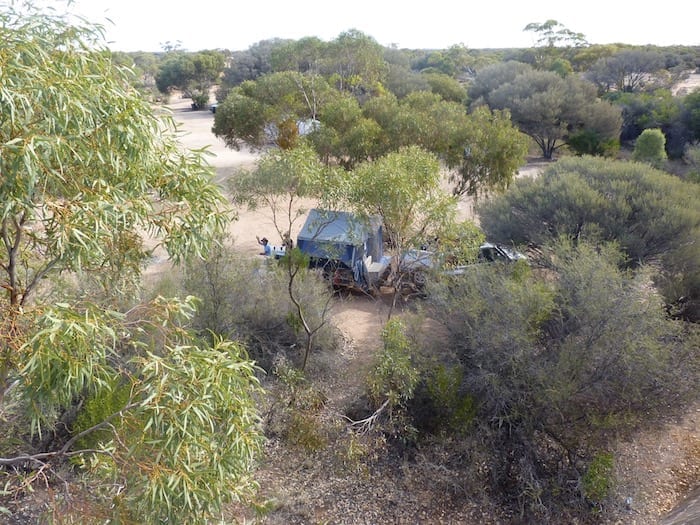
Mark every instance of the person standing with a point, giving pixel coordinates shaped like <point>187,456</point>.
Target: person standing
<point>287,242</point>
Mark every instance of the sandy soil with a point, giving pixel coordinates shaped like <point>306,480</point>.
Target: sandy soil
<point>688,85</point>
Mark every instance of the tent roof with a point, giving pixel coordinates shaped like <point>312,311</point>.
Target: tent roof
<point>334,226</point>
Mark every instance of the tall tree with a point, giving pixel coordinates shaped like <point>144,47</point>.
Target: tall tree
<point>481,149</point>
<point>249,64</point>
<point>491,77</point>
<point>550,109</point>
<point>88,171</point>
<point>554,41</point>
<point>347,131</point>
<point>354,63</point>
<point>346,135</point>
<point>303,55</point>
<point>493,151</point>
<point>281,182</point>
<point>257,113</point>
<point>628,71</point>
<point>192,73</point>
<point>691,113</point>
<point>552,34</point>
<point>404,189</point>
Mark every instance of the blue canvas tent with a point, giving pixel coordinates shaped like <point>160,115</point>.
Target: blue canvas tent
<point>343,240</point>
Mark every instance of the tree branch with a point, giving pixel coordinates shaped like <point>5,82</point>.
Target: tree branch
<point>64,451</point>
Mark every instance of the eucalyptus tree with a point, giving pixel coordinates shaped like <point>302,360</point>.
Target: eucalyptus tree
<point>347,131</point>
<point>346,135</point>
<point>354,62</point>
<point>554,42</point>
<point>192,73</point>
<point>491,77</point>
<point>91,177</point>
<point>494,150</point>
<point>482,149</point>
<point>691,114</point>
<point>269,110</point>
<point>249,64</point>
<point>303,55</point>
<point>283,181</point>
<point>627,71</point>
<point>404,189</point>
<point>551,109</point>
<point>456,61</point>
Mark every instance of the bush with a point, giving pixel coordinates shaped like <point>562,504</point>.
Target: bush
<point>589,142</point>
<point>248,301</point>
<point>391,384</point>
<point>598,479</point>
<point>200,101</point>
<point>295,409</point>
<point>393,377</point>
<point>439,404</point>
<point>561,362</point>
<point>650,147</point>
<point>653,216</point>
<point>691,156</point>
<point>107,401</point>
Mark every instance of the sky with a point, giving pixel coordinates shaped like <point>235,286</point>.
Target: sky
<point>146,25</point>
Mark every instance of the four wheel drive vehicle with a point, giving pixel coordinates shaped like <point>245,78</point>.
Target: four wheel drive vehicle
<point>417,262</point>
<point>489,252</point>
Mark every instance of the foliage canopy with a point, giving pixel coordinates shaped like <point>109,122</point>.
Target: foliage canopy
<point>88,172</point>
<point>548,108</point>
<point>559,367</point>
<point>653,216</point>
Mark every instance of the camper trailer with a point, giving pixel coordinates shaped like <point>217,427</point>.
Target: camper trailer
<point>347,248</point>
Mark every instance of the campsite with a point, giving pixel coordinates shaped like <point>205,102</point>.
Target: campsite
<point>467,292</point>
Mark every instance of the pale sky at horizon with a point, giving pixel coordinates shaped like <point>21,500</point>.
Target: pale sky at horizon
<point>144,25</point>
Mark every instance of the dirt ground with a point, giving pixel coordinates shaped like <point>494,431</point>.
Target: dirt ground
<point>688,85</point>
<point>655,471</point>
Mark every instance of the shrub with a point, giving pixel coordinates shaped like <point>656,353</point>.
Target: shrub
<point>691,157</point>
<point>598,479</point>
<point>296,408</point>
<point>589,142</point>
<point>653,216</point>
<point>393,377</point>
<point>247,300</point>
<point>304,431</point>
<point>440,405</point>
<point>650,147</point>
<point>200,101</point>
<point>560,362</point>
<point>108,400</point>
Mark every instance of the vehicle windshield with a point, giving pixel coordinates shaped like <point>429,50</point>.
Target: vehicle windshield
<point>511,253</point>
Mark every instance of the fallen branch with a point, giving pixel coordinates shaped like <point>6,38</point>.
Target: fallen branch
<point>365,425</point>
